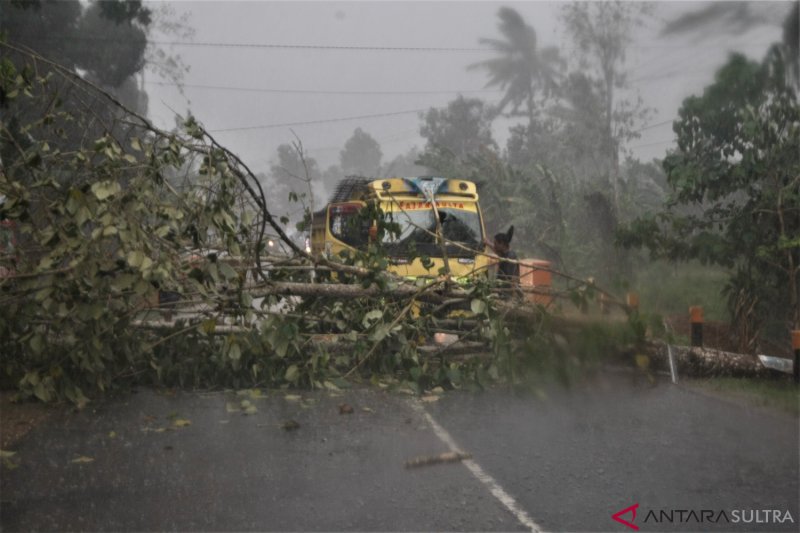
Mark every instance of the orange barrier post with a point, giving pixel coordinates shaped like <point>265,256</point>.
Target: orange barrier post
<point>632,299</point>
<point>531,274</point>
<point>796,348</point>
<point>696,314</point>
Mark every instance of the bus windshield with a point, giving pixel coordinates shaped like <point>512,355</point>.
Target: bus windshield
<point>461,229</point>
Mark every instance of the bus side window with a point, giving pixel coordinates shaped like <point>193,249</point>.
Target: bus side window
<point>347,226</point>
<point>336,225</point>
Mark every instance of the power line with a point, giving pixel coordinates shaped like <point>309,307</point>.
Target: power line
<point>280,46</point>
<point>358,117</point>
<point>402,136</point>
<point>709,70</point>
<point>273,46</point>
<point>284,46</point>
<point>719,42</point>
<point>650,126</point>
<point>311,91</point>
<point>309,122</point>
<point>653,143</point>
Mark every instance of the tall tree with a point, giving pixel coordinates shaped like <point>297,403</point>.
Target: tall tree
<point>108,39</point>
<point>735,18</point>
<point>104,39</point>
<point>720,17</point>
<point>522,69</point>
<point>405,165</point>
<point>568,138</point>
<point>737,161</point>
<point>463,127</point>
<point>361,155</point>
<point>294,172</point>
<point>602,32</point>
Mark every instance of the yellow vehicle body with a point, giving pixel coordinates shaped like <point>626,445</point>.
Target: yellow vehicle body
<point>414,205</point>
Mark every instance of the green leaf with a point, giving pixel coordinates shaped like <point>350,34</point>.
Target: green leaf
<point>42,391</point>
<point>292,374</point>
<point>147,263</point>
<point>227,271</point>
<point>372,316</point>
<point>248,408</point>
<point>477,306</point>
<point>105,189</point>
<point>42,294</point>
<point>208,326</point>
<point>380,333</point>
<point>235,353</point>
<point>135,258</point>
<point>37,343</point>
<point>213,272</point>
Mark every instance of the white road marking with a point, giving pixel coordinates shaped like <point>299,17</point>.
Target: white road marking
<point>488,481</point>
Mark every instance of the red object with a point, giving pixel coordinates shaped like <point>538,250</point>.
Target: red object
<point>536,273</point>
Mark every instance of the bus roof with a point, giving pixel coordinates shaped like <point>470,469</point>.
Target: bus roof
<point>359,188</point>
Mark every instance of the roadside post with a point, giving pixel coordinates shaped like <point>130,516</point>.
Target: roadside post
<point>696,314</point>
<point>632,299</point>
<point>604,305</point>
<point>796,348</point>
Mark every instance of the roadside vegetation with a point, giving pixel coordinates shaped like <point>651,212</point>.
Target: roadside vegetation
<point>138,255</point>
<point>781,396</point>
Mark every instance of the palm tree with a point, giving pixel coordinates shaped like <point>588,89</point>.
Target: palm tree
<point>735,18</point>
<point>521,69</point>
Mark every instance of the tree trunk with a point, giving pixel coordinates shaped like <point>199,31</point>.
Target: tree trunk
<point>707,362</point>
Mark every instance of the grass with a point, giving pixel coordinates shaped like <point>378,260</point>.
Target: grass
<point>669,289</point>
<point>780,395</point>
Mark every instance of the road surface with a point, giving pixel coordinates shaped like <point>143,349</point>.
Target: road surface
<point>567,461</point>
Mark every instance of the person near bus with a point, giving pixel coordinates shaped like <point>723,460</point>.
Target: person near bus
<point>508,267</point>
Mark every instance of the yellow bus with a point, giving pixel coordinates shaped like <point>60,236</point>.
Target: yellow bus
<point>414,204</point>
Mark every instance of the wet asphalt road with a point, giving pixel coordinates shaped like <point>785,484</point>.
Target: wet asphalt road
<point>193,461</point>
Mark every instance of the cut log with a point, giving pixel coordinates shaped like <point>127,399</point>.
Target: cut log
<point>707,362</point>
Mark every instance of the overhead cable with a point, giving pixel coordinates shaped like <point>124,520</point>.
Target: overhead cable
<point>322,121</point>
<point>314,91</point>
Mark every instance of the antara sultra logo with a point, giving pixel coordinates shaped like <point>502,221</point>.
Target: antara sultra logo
<point>627,516</point>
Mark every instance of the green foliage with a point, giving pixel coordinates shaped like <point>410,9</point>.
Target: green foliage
<point>118,227</point>
<point>735,194</point>
<point>463,128</point>
<point>521,68</point>
<point>781,395</point>
<point>99,232</point>
<point>671,288</point>
<point>361,155</point>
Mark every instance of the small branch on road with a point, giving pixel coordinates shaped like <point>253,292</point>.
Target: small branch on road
<point>428,460</point>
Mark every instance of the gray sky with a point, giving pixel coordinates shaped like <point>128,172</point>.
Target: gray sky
<point>292,82</point>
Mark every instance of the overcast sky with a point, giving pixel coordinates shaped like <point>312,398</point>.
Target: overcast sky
<point>259,87</point>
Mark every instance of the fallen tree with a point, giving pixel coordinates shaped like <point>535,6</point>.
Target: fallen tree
<point>695,361</point>
<point>141,257</point>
